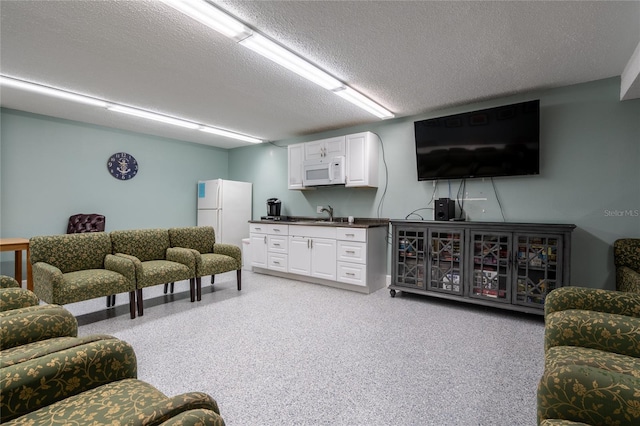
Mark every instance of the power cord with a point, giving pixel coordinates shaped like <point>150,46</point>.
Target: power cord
<point>495,191</point>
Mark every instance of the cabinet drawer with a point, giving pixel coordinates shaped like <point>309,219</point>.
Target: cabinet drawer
<point>313,231</point>
<point>258,228</point>
<point>278,244</point>
<point>278,229</point>
<point>277,262</point>
<point>352,273</point>
<point>352,234</point>
<point>352,252</point>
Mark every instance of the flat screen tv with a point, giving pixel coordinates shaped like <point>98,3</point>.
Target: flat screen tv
<point>500,141</point>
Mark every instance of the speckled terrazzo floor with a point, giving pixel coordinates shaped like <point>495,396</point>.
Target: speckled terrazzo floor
<point>283,352</point>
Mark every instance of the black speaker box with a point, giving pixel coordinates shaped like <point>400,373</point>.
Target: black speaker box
<point>445,209</point>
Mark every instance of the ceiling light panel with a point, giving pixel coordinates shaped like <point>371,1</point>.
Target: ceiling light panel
<point>50,91</point>
<point>363,102</point>
<point>211,16</point>
<point>229,134</point>
<point>153,116</point>
<point>278,54</point>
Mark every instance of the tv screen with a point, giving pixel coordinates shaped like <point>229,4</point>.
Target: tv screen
<point>501,141</point>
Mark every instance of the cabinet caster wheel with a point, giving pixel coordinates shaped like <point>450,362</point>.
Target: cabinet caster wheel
<point>392,293</point>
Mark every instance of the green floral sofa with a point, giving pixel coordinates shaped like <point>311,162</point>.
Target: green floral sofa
<point>211,258</point>
<point>48,375</point>
<point>592,358</point>
<point>626,256</point>
<point>75,267</point>
<point>155,261</point>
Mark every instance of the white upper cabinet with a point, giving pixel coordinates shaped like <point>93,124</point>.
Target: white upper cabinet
<point>324,149</point>
<point>296,159</point>
<point>362,160</point>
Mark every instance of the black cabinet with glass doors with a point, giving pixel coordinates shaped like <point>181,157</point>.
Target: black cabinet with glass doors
<point>508,265</point>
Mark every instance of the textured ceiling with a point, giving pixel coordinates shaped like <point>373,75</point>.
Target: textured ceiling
<point>411,57</point>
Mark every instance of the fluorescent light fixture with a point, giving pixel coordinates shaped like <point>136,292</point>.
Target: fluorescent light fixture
<point>363,102</point>
<point>153,116</point>
<point>211,16</point>
<point>50,91</point>
<point>229,134</point>
<point>278,54</point>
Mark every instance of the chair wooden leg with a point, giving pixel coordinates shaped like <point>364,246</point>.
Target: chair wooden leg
<point>132,304</point>
<point>192,289</point>
<point>166,287</point>
<point>199,288</point>
<point>172,288</point>
<point>239,278</point>
<point>213,279</point>
<point>113,300</point>
<point>109,301</point>
<point>140,307</point>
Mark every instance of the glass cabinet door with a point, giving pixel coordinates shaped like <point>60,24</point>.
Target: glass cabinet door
<point>538,268</point>
<point>410,257</point>
<point>491,266</point>
<point>445,261</point>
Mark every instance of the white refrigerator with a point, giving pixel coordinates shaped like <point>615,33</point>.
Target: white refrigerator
<point>225,205</point>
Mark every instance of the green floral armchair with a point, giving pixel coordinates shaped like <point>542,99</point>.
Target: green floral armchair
<point>626,256</point>
<point>76,267</point>
<point>592,358</point>
<point>211,258</point>
<point>155,261</point>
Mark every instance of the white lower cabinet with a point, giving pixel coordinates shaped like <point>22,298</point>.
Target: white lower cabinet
<point>269,246</point>
<point>312,251</point>
<point>345,257</point>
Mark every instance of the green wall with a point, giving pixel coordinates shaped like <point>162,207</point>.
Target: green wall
<point>53,168</point>
<point>590,174</point>
<point>590,169</point>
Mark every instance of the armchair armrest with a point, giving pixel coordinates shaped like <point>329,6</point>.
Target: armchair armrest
<point>123,266</point>
<point>198,417</point>
<point>15,298</point>
<point>160,412</point>
<point>8,282</point>
<point>184,256</point>
<point>35,323</point>
<point>46,277</point>
<point>590,329</point>
<point>627,280</point>
<point>137,264</point>
<point>229,250</point>
<point>591,299</point>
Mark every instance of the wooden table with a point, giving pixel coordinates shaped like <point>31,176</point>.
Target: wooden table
<point>17,245</point>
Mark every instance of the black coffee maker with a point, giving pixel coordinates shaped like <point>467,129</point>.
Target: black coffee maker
<point>273,208</point>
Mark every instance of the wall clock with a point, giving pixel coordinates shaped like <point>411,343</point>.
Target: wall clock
<point>122,166</point>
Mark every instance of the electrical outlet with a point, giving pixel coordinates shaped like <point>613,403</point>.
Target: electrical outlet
<point>319,209</point>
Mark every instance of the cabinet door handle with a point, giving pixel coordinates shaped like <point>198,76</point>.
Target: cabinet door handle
<point>308,244</point>
<point>265,239</point>
<point>349,235</point>
<point>275,262</point>
<point>311,241</point>
<point>276,244</point>
<point>258,229</point>
<point>350,274</point>
<point>350,251</point>
<point>276,230</point>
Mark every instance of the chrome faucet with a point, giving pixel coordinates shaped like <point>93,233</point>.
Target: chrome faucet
<point>329,210</point>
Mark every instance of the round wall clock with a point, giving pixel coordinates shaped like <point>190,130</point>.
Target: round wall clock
<point>122,166</point>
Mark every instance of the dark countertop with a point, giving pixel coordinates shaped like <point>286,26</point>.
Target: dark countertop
<point>359,222</point>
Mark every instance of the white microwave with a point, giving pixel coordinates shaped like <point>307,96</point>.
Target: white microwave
<point>324,172</point>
